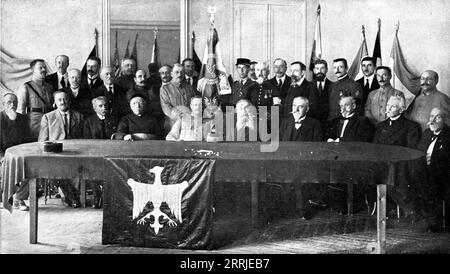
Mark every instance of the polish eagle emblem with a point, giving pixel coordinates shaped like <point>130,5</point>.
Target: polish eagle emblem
<point>157,193</point>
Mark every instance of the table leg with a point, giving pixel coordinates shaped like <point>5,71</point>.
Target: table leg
<point>32,184</point>
<point>82,192</point>
<point>254,200</point>
<point>381,218</point>
<point>349,198</point>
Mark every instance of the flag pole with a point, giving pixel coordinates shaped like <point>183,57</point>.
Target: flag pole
<point>96,41</point>
<point>397,26</point>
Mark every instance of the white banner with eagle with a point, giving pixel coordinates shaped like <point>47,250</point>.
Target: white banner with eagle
<point>158,203</point>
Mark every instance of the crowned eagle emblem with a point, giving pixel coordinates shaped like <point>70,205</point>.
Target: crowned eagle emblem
<point>157,193</point>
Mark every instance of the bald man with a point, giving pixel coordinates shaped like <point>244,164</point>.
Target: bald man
<point>428,98</point>
<point>80,97</point>
<point>59,79</point>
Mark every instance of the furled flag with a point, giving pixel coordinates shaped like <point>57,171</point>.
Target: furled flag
<point>404,78</point>
<point>134,51</point>
<point>92,54</point>
<point>197,62</point>
<point>355,72</point>
<point>127,52</point>
<point>116,60</point>
<point>213,77</point>
<point>377,47</point>
<point>155,51</point>
<point>316,53</point>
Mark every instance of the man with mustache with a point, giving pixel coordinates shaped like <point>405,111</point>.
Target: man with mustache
<point>280,82</point>
<point>116,95</point>
<point>251,71</point>
<point>375,108</point>
<point>262,95</point>
<point>92,81</point>
<point>428,98</point>
<point>35,98</point>
<point>344,86</point>
<point>435,143</point>
<point>300,87</point>
<point>165,73</point>
<point>322,83</point>
<point>190,73</point>
<point>13,131</point>
<point>80,98</point>
<point>368,82</point>
<point>59,79</point>
<point>127,70</point>
<point>242,88</point>
<point>175,97</point>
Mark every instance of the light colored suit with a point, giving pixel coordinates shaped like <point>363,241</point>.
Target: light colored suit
<point>52,126</point>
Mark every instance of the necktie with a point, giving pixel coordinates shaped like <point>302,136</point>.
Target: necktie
<point>91,84</point>
<point>110,90</point>
<point>103,129</point>
<point>320,88</point>
<point>280,83</point>
<point>367,86</point>
<point>434,137</point>
<point>298,124</point>
<point>66,124</point>
<point>190,81</point>
<point>63,83</point>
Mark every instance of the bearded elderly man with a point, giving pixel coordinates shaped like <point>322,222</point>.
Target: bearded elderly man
<point>262,95</point>
<point>80,97</point>
<point>375,108</point>
<point>35,98</point>
<point>435,143</point>
<point>175,96</point>
<point>428,98</point>
<point>127,70</point>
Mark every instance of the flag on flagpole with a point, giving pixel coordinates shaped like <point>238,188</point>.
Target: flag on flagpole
<point>92,54</point>
<point>377,47</point>
<point>127,52</point>
<point>197,62</point>
<point>134,51</point>
<point>404,78</point>
<point>116,60</point>
<point>155,51</point>
<point>316,53</point>
<point>355,72</point>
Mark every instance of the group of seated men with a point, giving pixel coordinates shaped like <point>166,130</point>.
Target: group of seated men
<point>168,105</point>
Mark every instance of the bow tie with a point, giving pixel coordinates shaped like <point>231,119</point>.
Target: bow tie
<point>298,122</point>
<point>434,136</point>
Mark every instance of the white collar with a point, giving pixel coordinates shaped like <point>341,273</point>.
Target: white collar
<point>281,78</point>
<point>301,119</point>
<point>395,118</point>
<point>370,79</point>
<point>100,117</point>
<point>107,86</point>
<point>300,81</point>
<point>61,75</point>
<point>93,78</point>
<point>350,116</point>
<point>63,113</point>
<point>340,78</point>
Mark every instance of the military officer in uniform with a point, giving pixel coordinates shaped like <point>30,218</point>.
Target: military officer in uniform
<point>242,88</point>
<point>35,98</point>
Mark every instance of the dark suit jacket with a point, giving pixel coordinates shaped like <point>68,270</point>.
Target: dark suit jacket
<point>194,84</point>
<point>126,82</point>
<point>402,132</point>
<point>281,92</point>
<point>92,128</point>
<point>82,103</point>
<point>323,102</point>
<point>358,129</point>
<point>366,92</point>
<point>239,91</point>
<point>307,90</point>
<point>84,84</point>
<point>309,131</point>
<point>52,79</point>
<point>344,87</point>
<point>117,102</point>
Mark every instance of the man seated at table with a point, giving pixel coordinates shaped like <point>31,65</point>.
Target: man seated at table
<point>300,127</point>
<point>101,125</point>
<point>138,125</point>
<point>435,143</point>
<point>398,131</point>
<point>62,124</point>
<point>245,127</point>
<point>191,127</point>
<point>13,131</point>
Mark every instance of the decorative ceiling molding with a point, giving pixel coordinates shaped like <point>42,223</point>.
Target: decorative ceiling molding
<point>147,25</point>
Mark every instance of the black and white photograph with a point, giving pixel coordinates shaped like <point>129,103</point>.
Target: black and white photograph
<point>224,132</point>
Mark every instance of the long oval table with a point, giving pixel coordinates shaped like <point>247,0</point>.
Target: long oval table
<point>301,162</point>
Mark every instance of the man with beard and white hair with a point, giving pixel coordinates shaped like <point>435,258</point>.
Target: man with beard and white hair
<point>13,131</point>
<point>375,108</point>
<point>251,71</point>
<point>322,84</point>
<point>369,81</point>
<point>435,142</point>
<point>344,86</point>
<point>350,127</point>
<point>35,98</point>
<point>300,87</point>
<point>262,96</point>
<point>59,79</point>
<point>117,101</point>
<point>92,81</point>
<point>175,97</point>
<point>62,124</point>
<point>245,123</point>
<point>428,98</point>
<point>80,98</point>
<point>280,82</point>
<point>127,70</point>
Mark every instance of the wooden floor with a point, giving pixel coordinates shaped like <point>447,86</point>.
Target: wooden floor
<point>65,230</point>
